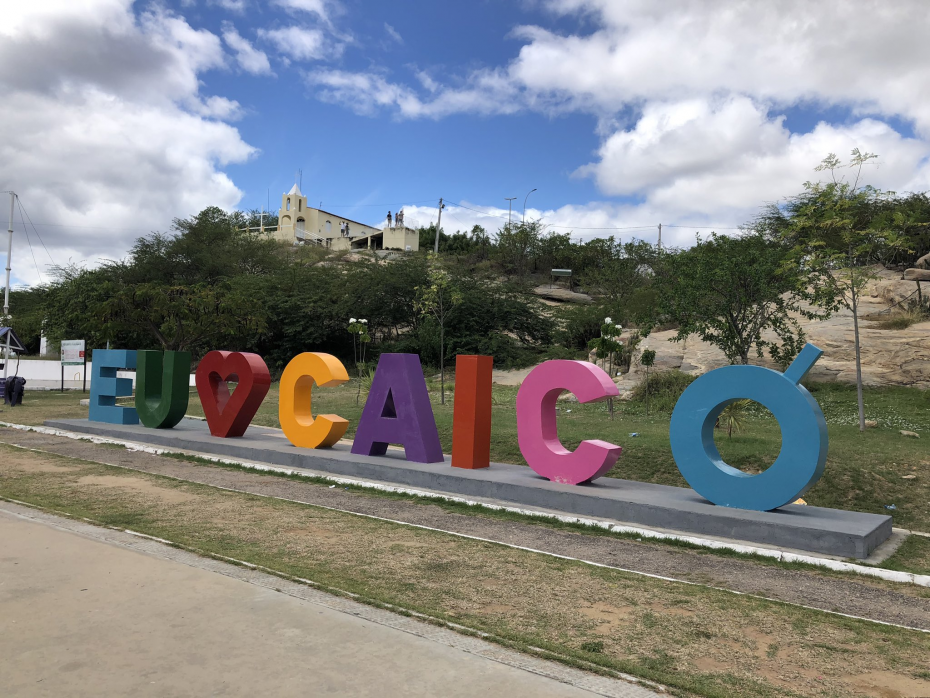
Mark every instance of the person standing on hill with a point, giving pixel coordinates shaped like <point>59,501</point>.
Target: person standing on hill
<point>389,220</point>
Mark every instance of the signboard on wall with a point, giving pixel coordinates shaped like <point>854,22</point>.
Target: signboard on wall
<point>72,352</point>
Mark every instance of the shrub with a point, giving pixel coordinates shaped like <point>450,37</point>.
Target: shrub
<point>664,389</point>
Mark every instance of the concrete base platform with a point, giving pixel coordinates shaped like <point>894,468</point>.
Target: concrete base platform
<point>813,529</point>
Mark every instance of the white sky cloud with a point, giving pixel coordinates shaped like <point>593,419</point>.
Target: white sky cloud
<point>691,102</point>
<point>250,59</point>
<point>393,33</point>
<point>107,145</point>
<point>323,9</point>
<point>301,44</point>
<point>237,6</point>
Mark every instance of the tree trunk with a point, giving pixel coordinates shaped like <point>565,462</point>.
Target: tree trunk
<point>442,365</point>
<point>647,391</point>
<point>855,312</point>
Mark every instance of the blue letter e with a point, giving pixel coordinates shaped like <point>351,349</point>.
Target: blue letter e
<point>105,387</point>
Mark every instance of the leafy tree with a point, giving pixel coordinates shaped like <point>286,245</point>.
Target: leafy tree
<point>360,341</point>
<point>437,299</point>
<point>729,291</point>
<point>182,318</point>
<point>607,346</point>
<point>516,246</point>
<point>837,231</point>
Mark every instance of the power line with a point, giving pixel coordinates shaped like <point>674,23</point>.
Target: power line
<point>395,203</point>
<point>702,227</point>
<point>29,242</point>
<point>22,210</point>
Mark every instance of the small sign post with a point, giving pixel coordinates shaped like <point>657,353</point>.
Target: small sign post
<point>72,354</point>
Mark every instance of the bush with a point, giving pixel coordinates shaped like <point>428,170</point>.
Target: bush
<point>902,320</point>
<point>579,324</point>
<point>665,387</point>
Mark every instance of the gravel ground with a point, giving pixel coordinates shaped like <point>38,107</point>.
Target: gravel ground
<point>881,601</point>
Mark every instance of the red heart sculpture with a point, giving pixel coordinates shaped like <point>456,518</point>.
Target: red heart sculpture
<point>230,415</point>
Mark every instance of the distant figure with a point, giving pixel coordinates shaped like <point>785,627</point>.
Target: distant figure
<point>389,220</point>
<point>399,219</point>
<point>342,229</point>
<point>348,234</point>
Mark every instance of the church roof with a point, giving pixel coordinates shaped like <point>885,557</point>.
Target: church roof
<point>295,190</point>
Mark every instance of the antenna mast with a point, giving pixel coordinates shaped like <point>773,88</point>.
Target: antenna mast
<point>6,298</point>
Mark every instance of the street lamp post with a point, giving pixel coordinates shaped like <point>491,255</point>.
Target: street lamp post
<point>509,200</point>
<point>524,203</point>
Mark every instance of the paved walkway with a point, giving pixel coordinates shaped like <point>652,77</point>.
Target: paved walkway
<point>89,612</point>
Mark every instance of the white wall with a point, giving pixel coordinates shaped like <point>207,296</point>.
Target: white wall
<point>42,375</point>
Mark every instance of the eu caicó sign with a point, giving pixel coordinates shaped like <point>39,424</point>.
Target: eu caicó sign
<point>398,411</point>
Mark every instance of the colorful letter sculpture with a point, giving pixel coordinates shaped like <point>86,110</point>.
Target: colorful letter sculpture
<point>105,387</point>
<point>230,415</point>
<point>536,421</point>
<point>803,434</point>
<point>294,412</point>
<point>162,387</point>
<point>471,417</point>
<point>398,412</point>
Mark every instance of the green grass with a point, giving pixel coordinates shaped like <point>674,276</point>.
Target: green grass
<point>865,471</point>
<point>696,640</point>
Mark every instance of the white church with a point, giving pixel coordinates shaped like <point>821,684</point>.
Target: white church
<point>301,224</point>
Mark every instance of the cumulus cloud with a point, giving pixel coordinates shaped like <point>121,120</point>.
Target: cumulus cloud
<point>106,133</point>
<point>730,156</point>
<point>323,9</point>
<point>301,43</point>
<point>869,54</point>
<point>249,58</point>
<point>691,102</point>
<point>237,6</point>
<point>487,92</point>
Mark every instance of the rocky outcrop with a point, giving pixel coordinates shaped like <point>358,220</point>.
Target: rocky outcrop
<point>889,357</point>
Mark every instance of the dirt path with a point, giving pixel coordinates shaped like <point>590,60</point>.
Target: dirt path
<point>876,600</point>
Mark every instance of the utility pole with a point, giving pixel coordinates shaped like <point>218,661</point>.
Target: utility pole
<point>6,299</point>
<point>438,226</point>
<point>660,236</point>
<point>524,203</point>
<point>509,199</point>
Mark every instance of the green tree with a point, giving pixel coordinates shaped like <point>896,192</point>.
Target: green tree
<point>729,291</point>
<point>182,318</point>
<point>607,346</point>
<point>516,246</point>
<point>358,328</point>
<point>438,299</point>
<point>837,231</point>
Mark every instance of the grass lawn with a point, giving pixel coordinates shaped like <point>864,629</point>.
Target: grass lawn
<point>697,640</point>
<point>865,471</point>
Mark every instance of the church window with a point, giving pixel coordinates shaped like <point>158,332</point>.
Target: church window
<point>329,227</point>
<point>288,204</point>
<point>300,205</point>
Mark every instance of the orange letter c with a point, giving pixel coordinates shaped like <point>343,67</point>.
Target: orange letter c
<point>294,413</point>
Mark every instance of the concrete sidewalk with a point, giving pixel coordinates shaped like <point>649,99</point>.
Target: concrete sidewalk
<point>86,615</point>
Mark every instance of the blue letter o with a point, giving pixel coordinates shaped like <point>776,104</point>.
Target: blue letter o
<point>803,455</point>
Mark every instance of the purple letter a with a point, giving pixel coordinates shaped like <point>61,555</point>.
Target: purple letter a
<point>398,412</point>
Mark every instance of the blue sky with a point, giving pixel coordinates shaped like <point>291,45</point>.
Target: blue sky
<point>388,161</point>
<point>621,113</point>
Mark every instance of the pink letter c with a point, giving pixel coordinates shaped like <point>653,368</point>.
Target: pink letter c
<point>536,421</point>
